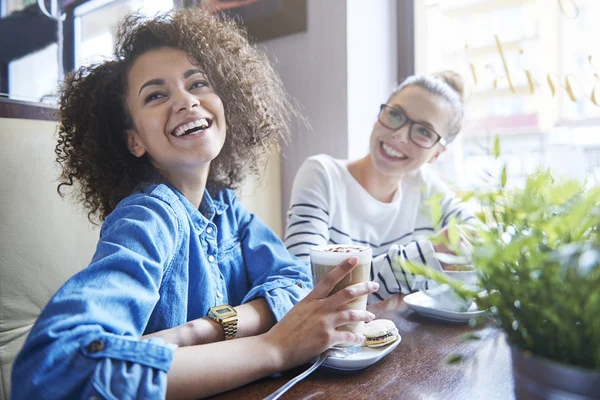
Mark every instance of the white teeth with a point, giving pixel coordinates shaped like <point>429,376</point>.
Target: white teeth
<point>390,151</point>
<point>182,129</point>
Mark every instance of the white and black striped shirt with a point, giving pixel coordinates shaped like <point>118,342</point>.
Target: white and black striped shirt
<point>328,206</point>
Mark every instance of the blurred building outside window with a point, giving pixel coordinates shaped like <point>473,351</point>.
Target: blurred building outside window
<point>533,70</point>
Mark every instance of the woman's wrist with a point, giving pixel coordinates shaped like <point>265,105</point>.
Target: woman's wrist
<point>274,351</point>
<point>204,330</point>
<point>198,331</point>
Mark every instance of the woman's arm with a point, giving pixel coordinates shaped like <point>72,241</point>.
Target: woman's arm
<point>393,277</point>
<point>254,318</point>
<point>388,269</point>
<point>450,207</point>
<point>307,330</point>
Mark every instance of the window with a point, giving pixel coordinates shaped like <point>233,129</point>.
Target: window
<point>96,23</point>
<point>40,40</point>
<point>534,75</point>
<point>33,64</point>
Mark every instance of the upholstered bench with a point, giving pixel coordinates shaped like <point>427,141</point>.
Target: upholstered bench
<point>44,239</point>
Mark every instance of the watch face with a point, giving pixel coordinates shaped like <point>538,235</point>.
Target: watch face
<point>224,311</point>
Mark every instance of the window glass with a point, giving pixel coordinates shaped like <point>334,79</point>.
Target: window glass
<point>96,25</point>
<point>533,70</point>
<point>41,39</point>
<point>53,36</point>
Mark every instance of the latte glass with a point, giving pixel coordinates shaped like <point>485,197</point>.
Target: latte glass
<point>325,258</point>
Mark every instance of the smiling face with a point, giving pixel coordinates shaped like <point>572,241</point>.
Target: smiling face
<point>178,119</point>
<point>392,153</point>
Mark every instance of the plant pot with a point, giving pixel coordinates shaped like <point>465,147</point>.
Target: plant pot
<point>540,378</point>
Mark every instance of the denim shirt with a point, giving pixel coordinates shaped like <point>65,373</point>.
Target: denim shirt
<point>159,263</point>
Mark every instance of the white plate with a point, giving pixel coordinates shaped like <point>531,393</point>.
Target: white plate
<point>362,359</point>
<point>426,306</point>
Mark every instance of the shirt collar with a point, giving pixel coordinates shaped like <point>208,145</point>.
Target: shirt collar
<point>209,207</point>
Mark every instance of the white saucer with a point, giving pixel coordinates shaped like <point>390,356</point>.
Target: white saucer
<point>426,306</point>
<point>365,357</point>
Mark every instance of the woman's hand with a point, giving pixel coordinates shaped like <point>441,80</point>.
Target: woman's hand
<point>310,327</point>
<point>459,254</point>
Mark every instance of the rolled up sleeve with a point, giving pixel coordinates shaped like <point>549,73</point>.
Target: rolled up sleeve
<point>274,274</point>
<point>393,277</point>
<point>128,366</point>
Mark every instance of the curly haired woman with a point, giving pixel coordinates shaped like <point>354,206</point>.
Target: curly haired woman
<point>156,139</point>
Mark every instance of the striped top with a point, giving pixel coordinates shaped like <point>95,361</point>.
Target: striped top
<point>328,206</point>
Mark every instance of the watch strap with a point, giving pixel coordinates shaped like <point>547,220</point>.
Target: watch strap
<point>230,328</point>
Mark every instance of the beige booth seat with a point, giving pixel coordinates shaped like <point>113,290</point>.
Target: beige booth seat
<point>45,239</point>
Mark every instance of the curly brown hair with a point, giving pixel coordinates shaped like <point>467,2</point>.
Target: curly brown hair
<point>93,118</point>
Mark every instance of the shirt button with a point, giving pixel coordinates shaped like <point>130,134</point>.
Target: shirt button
<point>211,258</point>
<point>95,346</point>
<point>209,230</point>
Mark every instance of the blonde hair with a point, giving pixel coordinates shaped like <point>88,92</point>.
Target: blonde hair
<point>448,85</point>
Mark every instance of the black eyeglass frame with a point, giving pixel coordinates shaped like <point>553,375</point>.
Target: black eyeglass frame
<point>441,140</point>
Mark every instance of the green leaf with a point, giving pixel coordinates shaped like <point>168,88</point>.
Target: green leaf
<point>435,209</point>
<point>470,337</point>
<point>453,234</point>
<point>454,359</point>
<point>503,177</point>
<point>497,147</point>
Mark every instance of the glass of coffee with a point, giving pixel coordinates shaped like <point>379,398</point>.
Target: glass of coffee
<point>325,258</point>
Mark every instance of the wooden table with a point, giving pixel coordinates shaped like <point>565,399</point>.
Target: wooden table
<point>416,369</point>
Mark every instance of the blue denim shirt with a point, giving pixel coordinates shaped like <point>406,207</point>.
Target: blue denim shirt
<point>160,262</point>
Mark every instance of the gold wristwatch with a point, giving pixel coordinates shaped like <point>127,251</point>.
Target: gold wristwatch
<point>227,317</point>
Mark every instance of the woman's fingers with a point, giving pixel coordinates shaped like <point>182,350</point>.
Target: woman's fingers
<point>316,322</point>
<point>349,316</point>
<point>348,337</point>
<point>352,292</point>
<point>323,288</point>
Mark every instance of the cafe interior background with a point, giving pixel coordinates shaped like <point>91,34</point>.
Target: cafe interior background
<point>531,65</point>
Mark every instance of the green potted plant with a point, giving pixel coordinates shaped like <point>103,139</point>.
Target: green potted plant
<point>538,256</point>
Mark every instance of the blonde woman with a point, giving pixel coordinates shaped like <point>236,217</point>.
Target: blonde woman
<point>381,200</point>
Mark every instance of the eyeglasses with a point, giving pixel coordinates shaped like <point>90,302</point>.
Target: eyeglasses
<point>395,118</point>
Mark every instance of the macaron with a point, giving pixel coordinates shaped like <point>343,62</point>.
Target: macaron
<point>380,332</point>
